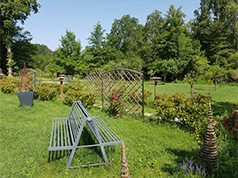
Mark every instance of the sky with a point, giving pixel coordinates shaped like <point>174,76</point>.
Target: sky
<point>81,16</point>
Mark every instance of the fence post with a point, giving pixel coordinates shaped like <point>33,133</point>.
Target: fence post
<point>143,97</point>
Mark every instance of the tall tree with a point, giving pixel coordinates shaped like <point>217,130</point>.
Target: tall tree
<point>42,58</point>
<point>216,27</point>
<point>125,34</point>
<point>12,11</point>
<point>168,42</point>
<point>68,54</point>
<point>96,43</point>
<point>96,38</point>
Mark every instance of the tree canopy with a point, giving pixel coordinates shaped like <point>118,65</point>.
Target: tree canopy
<point>165,45</point>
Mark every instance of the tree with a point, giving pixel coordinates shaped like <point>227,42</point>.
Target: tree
<point>96,41</point>
<point>68,54</point>
<point>125,35</point>
<point>198,66</point>
<point>42,57</point>
<point>216,27</point>
<point>23,50</point>
<point>96,38</point>
<point>12,11</point>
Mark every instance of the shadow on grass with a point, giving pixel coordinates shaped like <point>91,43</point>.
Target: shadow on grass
<point>221,108</point>
<point>87,138</point>
<point>180,156</point>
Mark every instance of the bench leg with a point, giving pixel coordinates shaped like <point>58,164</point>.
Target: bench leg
<point>70,158</point>
<point>104,154</point>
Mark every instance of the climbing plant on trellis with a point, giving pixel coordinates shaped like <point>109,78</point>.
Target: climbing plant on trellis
<point>129,84</point>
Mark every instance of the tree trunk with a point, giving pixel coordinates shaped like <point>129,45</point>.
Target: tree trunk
<point>209,87</point>
<point>9,60</point>
<point>165,74</point>
<point>192,90</point>
<point>215,84</point>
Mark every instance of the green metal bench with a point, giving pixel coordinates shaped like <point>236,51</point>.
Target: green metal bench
<point>66,133</point>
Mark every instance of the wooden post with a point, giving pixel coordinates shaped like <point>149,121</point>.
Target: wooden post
<point>61,88</point>
<point>156,80</point>
<point>192,90</point>
<point>155,89</point>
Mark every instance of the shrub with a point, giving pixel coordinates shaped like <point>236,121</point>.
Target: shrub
<point>52,85</point>
<point>87,98</point>
<point>115,103</point>
<point>189,113</point>
<point>76,87</point>
<point>45,93</point>
<point>9,85</point>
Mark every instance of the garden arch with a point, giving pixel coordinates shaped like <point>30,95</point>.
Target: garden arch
<point>129,84</point>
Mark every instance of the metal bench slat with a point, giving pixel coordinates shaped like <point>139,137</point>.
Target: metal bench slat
<point>104,133</point>
<point>69,141</point>
<point>109,130</point>
<point>71,134</point>
<point>65,138</point>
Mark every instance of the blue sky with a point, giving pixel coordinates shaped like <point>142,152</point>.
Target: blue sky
<point>80,16</point>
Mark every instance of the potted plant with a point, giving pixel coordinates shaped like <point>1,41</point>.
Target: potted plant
<point>25,93</point>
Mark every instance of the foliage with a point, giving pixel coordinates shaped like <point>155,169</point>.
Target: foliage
<point>45,93</point>
<point>192,168</point>
<point>43,57</point>
<point>189,114</point>
<point>77,94</point>
<point>68,54</point>
<point>9,85</point>
<point>13,11</point>
<point>115,105</point>
<point>215,26</point>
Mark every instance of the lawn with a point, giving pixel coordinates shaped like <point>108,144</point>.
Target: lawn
<point>152,149</point>
<point>224,99</point>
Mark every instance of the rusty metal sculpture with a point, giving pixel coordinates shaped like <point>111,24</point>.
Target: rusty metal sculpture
<point>25,80</point>
<point>25,94</point>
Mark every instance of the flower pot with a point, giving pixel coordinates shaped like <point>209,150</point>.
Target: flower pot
<point>25,97</point>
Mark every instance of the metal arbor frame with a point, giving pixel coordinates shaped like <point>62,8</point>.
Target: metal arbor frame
<point>129,83</point>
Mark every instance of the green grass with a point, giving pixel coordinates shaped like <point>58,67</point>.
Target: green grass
<point>224,99</point>
<point>152,150</point>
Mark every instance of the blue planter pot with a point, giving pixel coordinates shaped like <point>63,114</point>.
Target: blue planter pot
<point>25,97</point>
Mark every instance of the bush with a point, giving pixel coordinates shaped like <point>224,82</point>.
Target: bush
<point>115,104</point>
<point>87,99</point>
<point>9,85</point>
<point>76,87</point>
<point>45,93</point>
<point>189,114</point>
<point>52,85</point>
